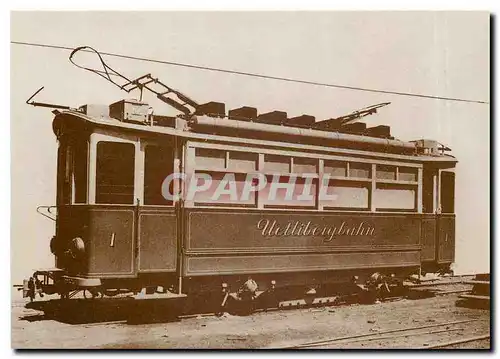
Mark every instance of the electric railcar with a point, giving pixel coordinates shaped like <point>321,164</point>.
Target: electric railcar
<point>387,206</point>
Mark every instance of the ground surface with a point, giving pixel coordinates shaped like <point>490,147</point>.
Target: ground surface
<point>275,329</point>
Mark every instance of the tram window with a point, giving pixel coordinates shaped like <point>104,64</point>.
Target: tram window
<point>392,197</point>
<point>158,164</point>
<point>408,174</point>
<point>360,170</point>
<point>207,158</point>
<point>386,172</point>
<point>345,195</point>
<point>224,189</point>
<point>428,193</point>
<point>115,173</point>
<point>305,165</point>
<point>277,164</point>
<point>447,192</point>
<point>72,172</point>
<point>64,174</point>
<point>336,168</point>
<point>242,161</point>
<point>80,160</point>
<point>281,191</point>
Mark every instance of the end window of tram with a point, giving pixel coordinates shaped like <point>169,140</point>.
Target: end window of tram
<point>72,173</point>
<point>115,173</point>
<point>447,192</point>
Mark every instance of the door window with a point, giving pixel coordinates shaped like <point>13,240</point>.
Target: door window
<point>158,164</point>
<point>115,173</point>
<point>447,192</point>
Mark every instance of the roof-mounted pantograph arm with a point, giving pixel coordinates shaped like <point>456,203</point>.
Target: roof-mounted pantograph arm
<point>170,96</point>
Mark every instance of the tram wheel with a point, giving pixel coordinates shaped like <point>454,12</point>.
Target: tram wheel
<point>92,294</point>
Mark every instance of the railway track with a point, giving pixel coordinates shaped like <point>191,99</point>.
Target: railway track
<point>399,325</point>
<point>432,331</point>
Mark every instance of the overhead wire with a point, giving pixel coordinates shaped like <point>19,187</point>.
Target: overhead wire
<point>257,75</point>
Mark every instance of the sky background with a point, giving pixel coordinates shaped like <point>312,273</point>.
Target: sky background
<point>433,53</point>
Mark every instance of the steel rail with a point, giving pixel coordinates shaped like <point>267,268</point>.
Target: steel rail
<point>435,284</point>
<point>402,335</point>
<point>455,342</point>
<point>332,340</point>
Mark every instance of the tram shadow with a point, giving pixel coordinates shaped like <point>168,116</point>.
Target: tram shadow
<point>473,304</point>
<point>126,310</point>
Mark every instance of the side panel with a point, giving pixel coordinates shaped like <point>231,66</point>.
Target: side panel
<point>157,240</point>
<point>429,238</point>
<point>72,222</point>
<point>223,242</point>
<point>295,262</point>
<point>111,242</point>
<point>446,238</point>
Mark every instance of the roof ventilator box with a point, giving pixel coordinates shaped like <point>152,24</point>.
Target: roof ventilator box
<point>429,147</point>
<point>129,111</point>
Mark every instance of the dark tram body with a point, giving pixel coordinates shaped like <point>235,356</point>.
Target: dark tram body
<point>388,206</point>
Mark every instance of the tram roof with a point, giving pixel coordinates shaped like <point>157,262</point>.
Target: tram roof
<point>207,128</point>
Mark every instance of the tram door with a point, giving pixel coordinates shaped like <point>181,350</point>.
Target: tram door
<point>429,219</point>
<point>157,216</point>
<point>438,223</point>
<point>111,221</point>
<point>446,217</point>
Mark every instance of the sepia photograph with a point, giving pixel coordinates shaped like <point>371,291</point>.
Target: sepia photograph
<point>278,180</point>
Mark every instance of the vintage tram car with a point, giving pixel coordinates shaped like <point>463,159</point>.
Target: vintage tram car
<point>388,209</point>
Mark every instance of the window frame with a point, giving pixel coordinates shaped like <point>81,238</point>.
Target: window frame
<point>356,184</point>
<point>370,182</point>
<point>398,186</point>
<point>226,204</point>
<point>445,194</point>
<point>144,146</point>
<point>134,172</point>
<point>85,184</point>
<point>110,135</point>
<point>66,170</point>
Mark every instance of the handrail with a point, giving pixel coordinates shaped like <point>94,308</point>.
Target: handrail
<point>49,211</point>
<point>44,104</point>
